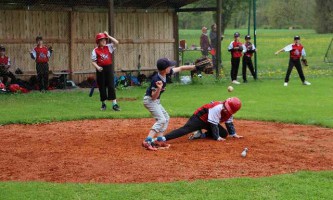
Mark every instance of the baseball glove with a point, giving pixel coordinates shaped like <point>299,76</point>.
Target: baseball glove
<point>204,65</point>
<point>304,62</point>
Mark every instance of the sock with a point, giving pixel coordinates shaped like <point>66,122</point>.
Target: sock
<point>103,102</point>
<point>149,139</point>
<point>161,139</point>
<point>114,102</point>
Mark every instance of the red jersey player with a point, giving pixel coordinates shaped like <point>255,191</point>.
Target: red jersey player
<point>296,51</point>
<point>236,48</point>
<point>102,60</point>
<point>41,55</point>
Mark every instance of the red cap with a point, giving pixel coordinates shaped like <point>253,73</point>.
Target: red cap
<point>100,36</point>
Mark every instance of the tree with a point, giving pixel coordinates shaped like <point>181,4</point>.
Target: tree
<point>228,8</point>
<point>324,16</point>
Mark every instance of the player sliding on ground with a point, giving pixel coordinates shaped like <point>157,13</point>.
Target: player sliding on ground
<point>152,97</point>
<point>209,117</point>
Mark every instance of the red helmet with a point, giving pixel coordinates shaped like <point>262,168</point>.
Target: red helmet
<point>100,36</point>
<point>14,88</point>
<point>232,105</point>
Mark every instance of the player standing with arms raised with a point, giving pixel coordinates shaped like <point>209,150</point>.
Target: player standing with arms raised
<point>296,51</point>
<point>235,48</point>
<point>248,51</point>
<point>102,60</point>
<point>41,54</point>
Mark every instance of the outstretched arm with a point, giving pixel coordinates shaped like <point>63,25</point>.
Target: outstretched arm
<point>279,51</point>
<point>183,68</point>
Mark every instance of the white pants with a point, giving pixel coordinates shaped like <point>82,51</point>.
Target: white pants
<point>158,112</point>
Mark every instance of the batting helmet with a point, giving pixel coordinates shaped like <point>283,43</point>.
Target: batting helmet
<point>2,86</point>
<point>100,36</point>
<point>236,34</point>
<point>164,63</point>
<point>14,88</point>
<point>232,105</point>
<point>297,37</point>
<point>247,37</point>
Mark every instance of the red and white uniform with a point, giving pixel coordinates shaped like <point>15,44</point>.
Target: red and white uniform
<point>213,113</point>
<point>103,55</point>
<point>296,51</point>
<point>4,60</point>
<point>235,53</point>
<point>41,54</point>
<point>248,49</point>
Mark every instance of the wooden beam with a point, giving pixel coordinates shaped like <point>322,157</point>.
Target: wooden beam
<point>176,42</point>
<point>72,50</point>
<point>111,26</point>
<point>87,41</point>
<point>209,9</point>
<point>18,41</point>
<point>218,48</point>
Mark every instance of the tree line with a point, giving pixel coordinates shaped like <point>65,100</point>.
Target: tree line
<point>271,14</point>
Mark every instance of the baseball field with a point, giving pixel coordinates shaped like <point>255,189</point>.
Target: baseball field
<point>59,145</point>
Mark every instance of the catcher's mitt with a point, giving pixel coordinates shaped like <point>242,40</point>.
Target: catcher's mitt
<point>304,62</point>
<point>204,65</point>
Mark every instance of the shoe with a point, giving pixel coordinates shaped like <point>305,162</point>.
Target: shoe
<point>148,146</point>
<point>103,107</point>
<point>235,82</point>
<point>195,135</point>
<point>245,81</point>
<point>115,107</point>
<point>306,83</point>
<point>285,84</point>
<point>236,136</point>
<point>161,144</point>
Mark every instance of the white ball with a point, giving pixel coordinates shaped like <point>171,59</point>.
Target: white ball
<point>230,88</point>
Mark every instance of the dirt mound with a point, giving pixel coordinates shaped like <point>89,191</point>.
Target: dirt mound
<point>110,151</point>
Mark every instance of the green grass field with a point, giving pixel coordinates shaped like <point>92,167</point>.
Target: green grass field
<point>301,185</point>
<point>268,42</point>
<point>265,99</point>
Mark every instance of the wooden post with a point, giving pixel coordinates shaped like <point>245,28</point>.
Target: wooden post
<point>72,49</point>
<point>176,37</point>
<point>218,26</point>
<point>111,26</point>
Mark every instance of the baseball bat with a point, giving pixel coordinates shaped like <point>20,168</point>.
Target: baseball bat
<point>92,89</point>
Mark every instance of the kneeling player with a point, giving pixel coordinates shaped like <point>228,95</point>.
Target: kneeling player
<point>209,117</point>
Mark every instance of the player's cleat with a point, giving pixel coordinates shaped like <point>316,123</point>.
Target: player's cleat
<point>306,83</point>
<point>103,107</point>
<point>161,144</point>
<point>285,84</point>
<point>235,82</point>
<point>115,107</point>
<point>148,146</point>
<point>236,136</point>
<point>196,135</point>
<point>245,81</point>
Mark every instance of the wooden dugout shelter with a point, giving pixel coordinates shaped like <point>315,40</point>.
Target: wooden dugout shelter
<point>143,27</point>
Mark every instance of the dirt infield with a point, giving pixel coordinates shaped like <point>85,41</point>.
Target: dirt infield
<point>110,151</point>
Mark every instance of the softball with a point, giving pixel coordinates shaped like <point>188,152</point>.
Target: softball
<point>230,88</point>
